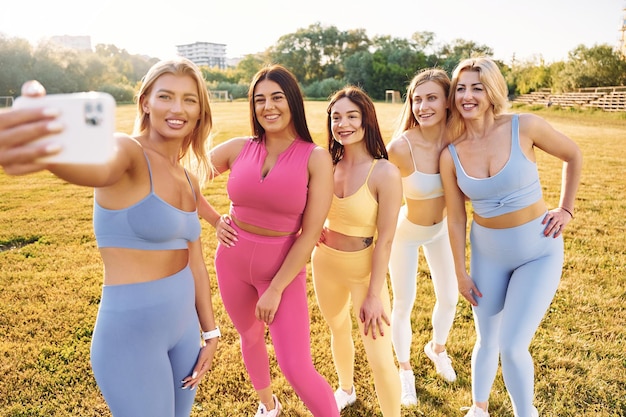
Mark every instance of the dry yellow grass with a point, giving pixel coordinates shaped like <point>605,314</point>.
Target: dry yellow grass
<point>50,289</point>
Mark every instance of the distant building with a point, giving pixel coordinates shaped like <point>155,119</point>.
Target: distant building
<point>81,43</point>
<point>204,53</point>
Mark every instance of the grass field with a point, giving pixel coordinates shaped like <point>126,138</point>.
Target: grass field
<point>50,283</point>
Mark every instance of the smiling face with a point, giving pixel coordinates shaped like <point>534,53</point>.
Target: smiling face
<point>346,122</point>
<point>470,97</point>
<point>271,107</point>
<point>173,106</point>
<point>429,104</point>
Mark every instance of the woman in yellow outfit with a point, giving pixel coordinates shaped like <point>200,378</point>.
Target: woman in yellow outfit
<point>349,264</point>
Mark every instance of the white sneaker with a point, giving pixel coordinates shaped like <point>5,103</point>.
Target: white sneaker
<point>343,400</point>
<point>475,412</point>
<point>443,363</point>
<point>263,412</point>
<point>407,382</point>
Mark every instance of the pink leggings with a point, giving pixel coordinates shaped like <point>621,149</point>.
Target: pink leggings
<point>244,272</point>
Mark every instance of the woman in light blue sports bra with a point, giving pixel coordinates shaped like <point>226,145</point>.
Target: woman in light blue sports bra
<point>415,149</point>
<point>147,351</point>
<point>516,243</point>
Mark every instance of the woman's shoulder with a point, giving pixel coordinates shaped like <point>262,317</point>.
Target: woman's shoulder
<point>398,143</point>
<point>319,156</point>
<point>235,143</point>
<point>385,169</point>
<point>131,145</point>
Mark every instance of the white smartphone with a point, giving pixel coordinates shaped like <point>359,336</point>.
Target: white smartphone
<point>89,125</point>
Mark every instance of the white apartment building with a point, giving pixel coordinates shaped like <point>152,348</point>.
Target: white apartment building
<point>204,53</point>
<point>81,43</point>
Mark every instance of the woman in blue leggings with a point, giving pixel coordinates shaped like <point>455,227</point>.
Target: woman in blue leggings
<point>147,352</point>
<point>517,244</point>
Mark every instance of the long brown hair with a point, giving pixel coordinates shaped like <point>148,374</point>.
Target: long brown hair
<point>288,82</point>
<point>373,137</point>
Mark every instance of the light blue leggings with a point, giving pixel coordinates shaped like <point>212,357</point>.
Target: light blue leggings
<point>518,271</point>
<point>146,340</point>
<point>403,272</point>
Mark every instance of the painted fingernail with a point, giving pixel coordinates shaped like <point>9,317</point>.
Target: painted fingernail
<point>53,148</point>
<point>33,88</point>
<point>51,111</point>
<point>194,375</point>
<point>54,126</point>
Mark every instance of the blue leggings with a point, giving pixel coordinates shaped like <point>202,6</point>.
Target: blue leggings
<point>146,340</point>
<point>518,271</point>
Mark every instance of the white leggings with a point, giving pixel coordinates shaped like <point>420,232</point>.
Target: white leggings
<point>403,271</point>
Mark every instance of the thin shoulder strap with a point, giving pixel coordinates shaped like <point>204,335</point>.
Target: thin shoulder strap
<point>410,150</point>
<point>370,171</point>
<point>149,171</point>
<point>190,184</point>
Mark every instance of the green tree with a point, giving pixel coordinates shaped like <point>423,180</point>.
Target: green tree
<point>16,64</point>
<point>528,76</point>
<point>452,53</point>
<point>248,66</point>
<point>597,66</point>
<point>359,68</point>
<point>395,61</point>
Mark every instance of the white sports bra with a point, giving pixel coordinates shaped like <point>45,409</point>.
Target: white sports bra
<point>418,185</point>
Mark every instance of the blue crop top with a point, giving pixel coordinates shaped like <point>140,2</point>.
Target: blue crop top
<point>150,224</point>
<point>514,187</point>
<point>418,185</point>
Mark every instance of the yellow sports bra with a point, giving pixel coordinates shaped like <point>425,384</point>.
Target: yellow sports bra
<point>354,215</point>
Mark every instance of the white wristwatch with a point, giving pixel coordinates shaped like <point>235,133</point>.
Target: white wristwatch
<point>212,334</point>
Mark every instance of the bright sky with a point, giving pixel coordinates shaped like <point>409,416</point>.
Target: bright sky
<point>524,28</point>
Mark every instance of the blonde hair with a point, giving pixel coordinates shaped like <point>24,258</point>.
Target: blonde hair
<point>492,80</point>
<point>407,118</point>
<point>199,140</point>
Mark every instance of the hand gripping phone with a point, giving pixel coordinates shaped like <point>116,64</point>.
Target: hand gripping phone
<point>89,125</point>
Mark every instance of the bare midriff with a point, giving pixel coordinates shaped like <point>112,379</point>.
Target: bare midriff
<point>513,219</point>
<point>346,243</point>
<point>426,212</point>
<point>131,266</point>
<point>250,228</point>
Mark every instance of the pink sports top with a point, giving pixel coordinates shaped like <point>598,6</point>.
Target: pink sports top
<point>418,185</point>
<point>354,215</point>
<point>276,201</point>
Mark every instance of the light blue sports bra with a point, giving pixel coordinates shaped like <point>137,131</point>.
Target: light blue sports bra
<point>514,187</point>
<point>418,185</point>
<point>150,224</point>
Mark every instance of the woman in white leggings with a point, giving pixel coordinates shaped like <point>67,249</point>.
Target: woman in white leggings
<point>422,223</point>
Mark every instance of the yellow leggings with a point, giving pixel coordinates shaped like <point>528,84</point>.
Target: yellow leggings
<point>340,277</point>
